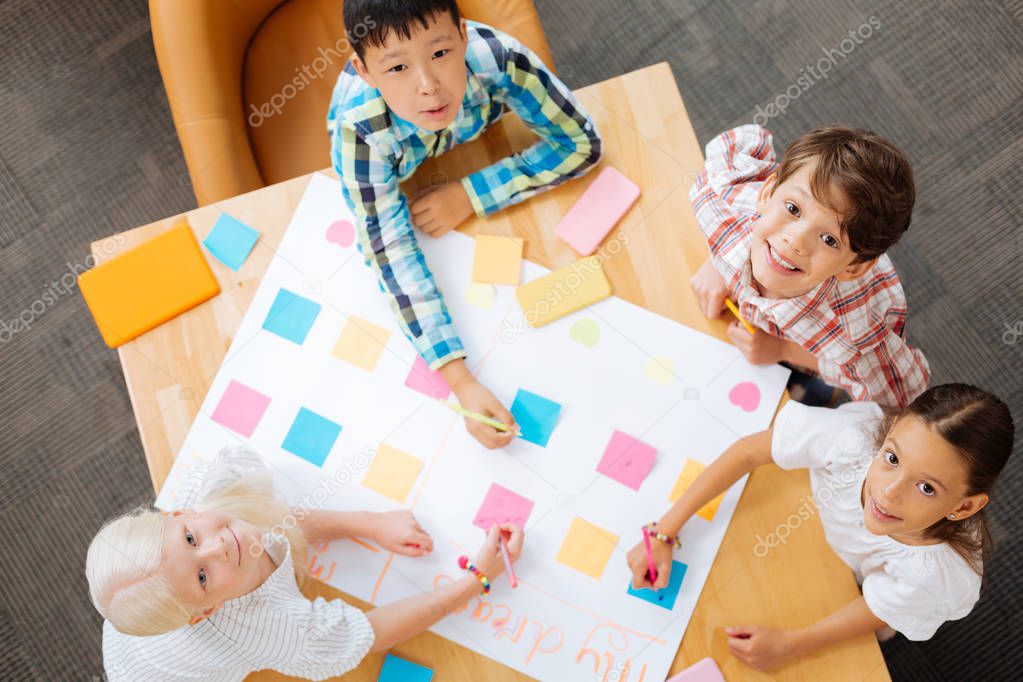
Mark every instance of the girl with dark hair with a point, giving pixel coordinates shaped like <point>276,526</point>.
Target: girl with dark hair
<point>901,500</point>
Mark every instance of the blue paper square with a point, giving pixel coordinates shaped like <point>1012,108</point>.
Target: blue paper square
<point>664,597</point>
<point>230,241</point>
<point>311,437</point>
<point>399,670</point>
<point>535,416</point>
<point>291,316</point>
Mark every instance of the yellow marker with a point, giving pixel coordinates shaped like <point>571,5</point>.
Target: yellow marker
<point>500,426</point>
<point>735,311</point>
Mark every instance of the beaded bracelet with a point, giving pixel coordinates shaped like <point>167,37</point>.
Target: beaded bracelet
<point>465,564</point>
<point>666,539</point>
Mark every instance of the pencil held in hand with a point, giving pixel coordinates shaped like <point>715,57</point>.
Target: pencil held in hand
<point>735,311</point>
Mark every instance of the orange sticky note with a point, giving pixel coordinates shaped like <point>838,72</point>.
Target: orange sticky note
<point>148,285</point>
<point>690,471</point>
<point>498,259</point>
<point>587,548</point>
<point>361,343</point>
<point>392,473</point>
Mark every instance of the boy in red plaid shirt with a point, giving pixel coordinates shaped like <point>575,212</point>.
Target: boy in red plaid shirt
<point>800,247</point>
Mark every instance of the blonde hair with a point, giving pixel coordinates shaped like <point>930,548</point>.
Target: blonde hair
<point>123,561</point>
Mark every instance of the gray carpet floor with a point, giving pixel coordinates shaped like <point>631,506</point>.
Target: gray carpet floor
<point>87,148</point>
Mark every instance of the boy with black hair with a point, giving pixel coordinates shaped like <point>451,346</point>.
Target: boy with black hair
<point>421,81</point>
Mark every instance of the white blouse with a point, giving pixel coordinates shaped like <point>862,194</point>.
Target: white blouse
<point>275,626</point>
<point>912,588</point>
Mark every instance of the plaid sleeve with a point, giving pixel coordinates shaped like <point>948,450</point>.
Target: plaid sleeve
<point>569,144</point>
<point>387,242</point>
<point>738,161</point>
<point>891,373</point>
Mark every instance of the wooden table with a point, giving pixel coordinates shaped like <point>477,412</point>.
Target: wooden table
<point>648,136</point>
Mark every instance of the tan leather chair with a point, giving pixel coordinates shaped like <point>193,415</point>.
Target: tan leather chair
<point>249,82</point>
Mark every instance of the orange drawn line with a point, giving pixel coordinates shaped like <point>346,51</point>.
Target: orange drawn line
<point>597,616</point>
<point>383,572</point>
<point>365,544</point>
<point>426,478</point>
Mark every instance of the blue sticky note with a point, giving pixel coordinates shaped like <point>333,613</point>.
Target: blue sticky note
<point>535,415</point>
<point>399,670</point>
<point>230,241</point>
<point>311,437</point>
<point>291,316</point>
<point>664,597</point>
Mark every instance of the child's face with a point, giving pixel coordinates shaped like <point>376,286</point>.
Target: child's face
<point>798,241</point>
<point>914,481</point>
<point>422,79</point>
<point>210,557</point>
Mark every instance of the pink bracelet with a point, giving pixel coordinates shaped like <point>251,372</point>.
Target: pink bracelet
<point>666,539</point>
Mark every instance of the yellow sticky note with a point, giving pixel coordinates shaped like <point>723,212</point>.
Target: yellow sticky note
<point>361,343</point>
<point>690,471</point>
<point>587,548</point>
<point>392,473</point>
<point>563,291</point>
<point>498,259</point>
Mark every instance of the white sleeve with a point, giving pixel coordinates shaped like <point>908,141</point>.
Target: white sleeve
<point>206,478</point>
<point>803,435</point>
<point>337,638</point>
<point>918,605</point>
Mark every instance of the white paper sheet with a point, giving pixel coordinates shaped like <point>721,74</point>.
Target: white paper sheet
<point>559,624</point>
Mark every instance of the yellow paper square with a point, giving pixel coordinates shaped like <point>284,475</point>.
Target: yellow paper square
<point>498,259</point>
<point>361,343</point>
<point>563,291</point>
<point>587,548</point>
<point>392,473</point>
<point>690,471</point>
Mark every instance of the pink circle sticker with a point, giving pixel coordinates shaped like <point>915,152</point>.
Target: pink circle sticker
<point>342,233</point>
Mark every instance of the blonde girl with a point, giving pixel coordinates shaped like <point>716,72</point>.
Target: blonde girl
<point>210,591</point>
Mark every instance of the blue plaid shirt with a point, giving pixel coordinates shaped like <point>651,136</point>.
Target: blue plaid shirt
<point>373,150</point>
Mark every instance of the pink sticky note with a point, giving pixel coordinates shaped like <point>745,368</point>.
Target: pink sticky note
<point>627,460</point>
<point>240,408</point>
<point>704,670</point>
<point>502,506</point>
<point>427,381</point>
<point>595,213</point>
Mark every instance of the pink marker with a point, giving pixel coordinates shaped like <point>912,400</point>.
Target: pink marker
<point>651,568</point>
<point>507,564</point>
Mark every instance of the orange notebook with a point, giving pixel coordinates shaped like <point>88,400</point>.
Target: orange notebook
<point>148,285</point>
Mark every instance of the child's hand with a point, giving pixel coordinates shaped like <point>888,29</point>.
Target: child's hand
<point>489,560</point>
<point>710,290</point>
<point>474,396</point>
<point>438,209</point>
<point>399,532</point>
<point>760,348</point>
<point>638,565</point>
<point>760,648</point>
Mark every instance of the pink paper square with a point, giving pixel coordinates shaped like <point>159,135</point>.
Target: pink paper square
<point>597,211</point>
<point>427,381</point>
<point>705,670</point>
<point>627,460</point>
<point>240,408</point>
<point>502,506</point>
